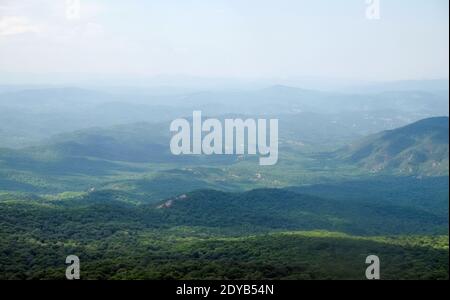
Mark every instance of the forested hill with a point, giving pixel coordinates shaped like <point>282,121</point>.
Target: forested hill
<point>419,148</point>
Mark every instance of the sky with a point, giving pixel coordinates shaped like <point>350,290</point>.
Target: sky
<point>240,39</point>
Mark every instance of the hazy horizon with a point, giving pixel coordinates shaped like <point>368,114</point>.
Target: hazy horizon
<point>279,42</point>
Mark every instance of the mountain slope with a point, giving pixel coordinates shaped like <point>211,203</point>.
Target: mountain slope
<point>426,193</point>
<point>419,148</point>
<point>284,210</point>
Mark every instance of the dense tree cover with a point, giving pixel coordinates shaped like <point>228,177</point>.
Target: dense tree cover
<point>245,213</point>
<point>425,193</point>
<point>278,209</point>
<point>162,254</point>
<point>210,234</point>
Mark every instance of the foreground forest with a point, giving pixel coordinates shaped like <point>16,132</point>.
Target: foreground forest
<point>261,234</point>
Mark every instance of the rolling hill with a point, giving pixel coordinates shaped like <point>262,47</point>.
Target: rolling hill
<point>420,148</point>
<point>274,209</point>
<point>261,234</point>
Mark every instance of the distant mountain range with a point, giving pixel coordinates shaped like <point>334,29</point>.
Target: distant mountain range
<point>419,148</point>
<point>30,115</point>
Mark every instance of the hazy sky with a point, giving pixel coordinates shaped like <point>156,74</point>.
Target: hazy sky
<point>226,38</point>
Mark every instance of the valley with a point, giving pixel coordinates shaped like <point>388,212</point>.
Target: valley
<point>115,196</point>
